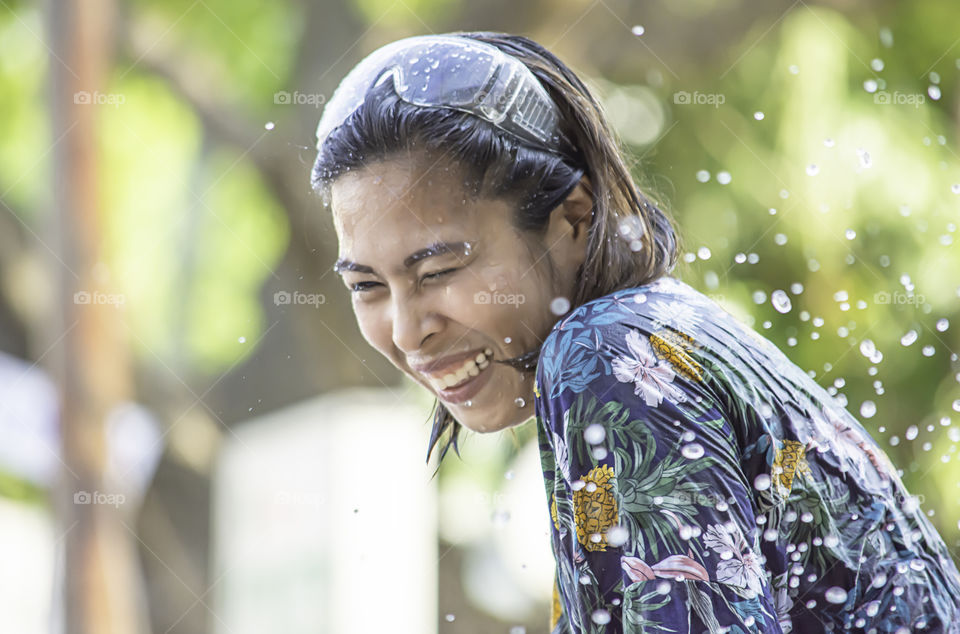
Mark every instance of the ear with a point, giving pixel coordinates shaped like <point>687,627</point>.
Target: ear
<point>577,208</point>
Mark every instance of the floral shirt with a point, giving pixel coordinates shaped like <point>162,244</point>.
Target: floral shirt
<point>699,481</point>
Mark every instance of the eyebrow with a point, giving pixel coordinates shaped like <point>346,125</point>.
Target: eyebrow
<point>437,248</point>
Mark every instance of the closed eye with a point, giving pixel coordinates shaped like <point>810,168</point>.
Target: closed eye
<point>360,287</point>
<point>438,274</point>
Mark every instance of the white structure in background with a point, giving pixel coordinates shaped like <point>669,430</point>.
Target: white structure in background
<point>325,520</point>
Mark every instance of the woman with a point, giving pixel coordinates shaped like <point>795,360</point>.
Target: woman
<point>499,253</point>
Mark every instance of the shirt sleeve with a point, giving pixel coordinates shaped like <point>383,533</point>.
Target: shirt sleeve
<point>654,525</point>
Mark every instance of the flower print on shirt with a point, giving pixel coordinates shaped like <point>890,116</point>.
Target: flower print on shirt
<point>680,315</point>
<point>740,566</point>
<point>652,377</point>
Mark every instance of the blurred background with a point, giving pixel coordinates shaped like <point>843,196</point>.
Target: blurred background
<point>195,438</point>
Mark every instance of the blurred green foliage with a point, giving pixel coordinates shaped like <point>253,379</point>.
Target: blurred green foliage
<point>193,232</point>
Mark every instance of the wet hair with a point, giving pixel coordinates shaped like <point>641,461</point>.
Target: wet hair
<point>631,242</point>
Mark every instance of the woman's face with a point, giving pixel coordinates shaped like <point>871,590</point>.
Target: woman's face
<point>442,284</point>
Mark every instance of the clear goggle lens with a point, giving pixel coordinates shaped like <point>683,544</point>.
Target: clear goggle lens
<point>452,72</point>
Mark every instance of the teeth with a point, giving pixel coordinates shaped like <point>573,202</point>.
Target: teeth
<point>469,369</point>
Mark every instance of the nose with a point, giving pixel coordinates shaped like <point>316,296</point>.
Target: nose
<point>413,321</point>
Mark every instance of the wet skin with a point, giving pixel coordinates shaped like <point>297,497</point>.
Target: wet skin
<point>488,289</point>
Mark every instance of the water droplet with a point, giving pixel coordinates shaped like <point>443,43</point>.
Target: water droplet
<point>955,188</point>
<point>600,617</point>
<point>867,348</point>
<point>594,434</point>
<point>781,301</point>
<point>724,177</point>
<point>908,338</point>
<point>829,142</point>
<point>835,594</point>
<point>870,85</point>
<point>770,534</point>
<point>617,535</point>
<point>850,234</point>
<point>868,409</point>
<point>703,253</point>
<point>886,37</point>
<point>692,450</point>
<point>637,30</point>
<point>934,92</point>
<point>268,125</point>
<point>560,305</point>
<point>911,432</point>
<point>864,157</point>
<point>759,297</point>
<point>468,403</point>
<point>812,170</point>
<point>876,64</point>
<point>942,324</point>
<point>663,587</point>
<point>927,351</point>
<point>242,339</point>
<point>450,618</point>
<point>758,115</point>
<point>519,402</point>
<point>761,482</point>
<point>956,405</point>
<point>703,176</point>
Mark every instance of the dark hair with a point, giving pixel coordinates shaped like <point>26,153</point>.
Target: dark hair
<point>502,166</point>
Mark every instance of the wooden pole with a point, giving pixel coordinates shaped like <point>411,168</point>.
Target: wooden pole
<point>101,576</point>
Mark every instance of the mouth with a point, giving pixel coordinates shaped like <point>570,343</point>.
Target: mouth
<point>463,382</point>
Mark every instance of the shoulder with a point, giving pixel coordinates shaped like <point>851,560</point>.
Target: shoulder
<point>665,302</point>
<point>645,340</point>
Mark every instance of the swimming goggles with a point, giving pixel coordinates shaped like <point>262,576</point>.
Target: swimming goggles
<point>452,72</point>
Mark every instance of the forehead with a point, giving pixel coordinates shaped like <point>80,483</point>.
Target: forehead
<point>403,197</point>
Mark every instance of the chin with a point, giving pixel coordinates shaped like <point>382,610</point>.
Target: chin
<point>489,424</point>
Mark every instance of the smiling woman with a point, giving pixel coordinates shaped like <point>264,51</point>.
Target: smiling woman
<point>489,141</point>
<point>697,479</point>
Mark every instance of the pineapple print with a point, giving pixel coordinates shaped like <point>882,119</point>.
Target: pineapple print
<point>595,508</point>
<point>786,463</point>
<point>553,511</point>
<point>673,346</point>
<point>556,609</point>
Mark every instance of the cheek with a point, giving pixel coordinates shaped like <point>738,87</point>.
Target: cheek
<point>374,327</point>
